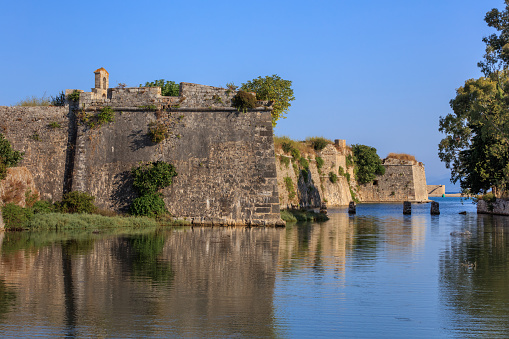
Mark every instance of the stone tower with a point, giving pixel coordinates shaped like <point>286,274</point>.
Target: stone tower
<point>102,82</point>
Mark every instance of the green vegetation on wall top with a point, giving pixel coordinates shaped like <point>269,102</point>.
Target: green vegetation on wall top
<point>272,88</point>
<point>367,163</point>
<point>243,101</point>
<point>168,88</point>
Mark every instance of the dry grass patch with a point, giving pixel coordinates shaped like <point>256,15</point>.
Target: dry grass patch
<point>284,145</point>
<point>401,156</point>
<point>34,101</point>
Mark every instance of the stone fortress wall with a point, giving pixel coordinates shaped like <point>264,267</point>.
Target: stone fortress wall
<point>224,158</point>
<point>402,181</point>
<point>436,190</point>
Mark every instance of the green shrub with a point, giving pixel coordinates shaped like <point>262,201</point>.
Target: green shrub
<point>168,88</point>
<point>319,162</point>
<point>54,125</point>
<point>243,101</point>
<point>304,163</point>
<point>43,206</point>
<point>74,96</point>
<point>285,161</point>
<point>287,216</point>
<point>149,205</point>
<point>77,202</point>
<point>349,161</point>
<point>8,157</point>
<point>305,216</point>
<point>157,132</point>
<point>287,147</point>
<point>333,177</point>
<point>295,153</point>
<point>488,197</point>
<point>153,176</point>
<point>58,100</point>
<point>106,115</point>
<point>318,143</point>
<point>16,217</point>
<point>341,171</point>
<point>289,188</point>
<point>354,197</point>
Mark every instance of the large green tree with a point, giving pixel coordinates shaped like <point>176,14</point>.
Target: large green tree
<point>272,88</point>
<point>367,163</point>
<point>496,56</point>
<point>476,146</point>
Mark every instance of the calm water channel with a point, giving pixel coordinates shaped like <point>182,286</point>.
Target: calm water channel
<point>378,274</point>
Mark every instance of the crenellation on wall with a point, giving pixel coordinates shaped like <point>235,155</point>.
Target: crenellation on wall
<point>192,96</point>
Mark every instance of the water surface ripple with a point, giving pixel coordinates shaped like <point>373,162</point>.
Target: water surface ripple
<point>378,274</point>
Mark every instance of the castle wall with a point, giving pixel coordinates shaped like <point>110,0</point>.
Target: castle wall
<point>318,188</point>
<point>401,182</point>
<point>29,130</point>
<point>224,159</point>
<point>436,190</point>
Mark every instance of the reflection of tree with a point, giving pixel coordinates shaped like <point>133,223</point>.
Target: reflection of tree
<point>141,256</point>
<point>7,298</point>
<point>474,272</point>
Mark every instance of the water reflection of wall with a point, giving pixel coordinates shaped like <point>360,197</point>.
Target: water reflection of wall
<point>198,282</point>
<point>321,246</point>
<point>473,277</point>
<point>345,237</point>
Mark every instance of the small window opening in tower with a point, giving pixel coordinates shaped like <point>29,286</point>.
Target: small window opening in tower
<point>104,83</point>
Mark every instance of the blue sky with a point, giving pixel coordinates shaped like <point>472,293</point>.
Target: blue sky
<point>378,73</point>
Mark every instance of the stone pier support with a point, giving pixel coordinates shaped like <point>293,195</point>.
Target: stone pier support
<point>435,208</point>
<point>407,207</point>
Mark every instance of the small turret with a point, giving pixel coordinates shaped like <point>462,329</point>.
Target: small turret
<point>102,82</point>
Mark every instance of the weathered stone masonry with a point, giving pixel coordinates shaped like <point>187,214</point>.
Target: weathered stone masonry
<point>224,158</point>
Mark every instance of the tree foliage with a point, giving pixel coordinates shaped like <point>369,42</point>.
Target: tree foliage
<point>476,146</point>
<point>272,88</point>
<point>496,55</point>
<point>477,132</point>
<point>168,88</point>
<point>367,163</point>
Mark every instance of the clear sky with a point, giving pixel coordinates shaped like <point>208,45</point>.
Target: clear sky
<point>373,72</point>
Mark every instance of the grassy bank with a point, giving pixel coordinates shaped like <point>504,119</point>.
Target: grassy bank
<point>92,222</point>
<point>301,215</point>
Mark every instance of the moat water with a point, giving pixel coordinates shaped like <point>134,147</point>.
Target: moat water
<point>378,274</point>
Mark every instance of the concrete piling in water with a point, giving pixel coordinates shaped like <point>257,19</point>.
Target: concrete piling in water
<point>435,208</point>
<point>352,208</point>
<point>407,207</point>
